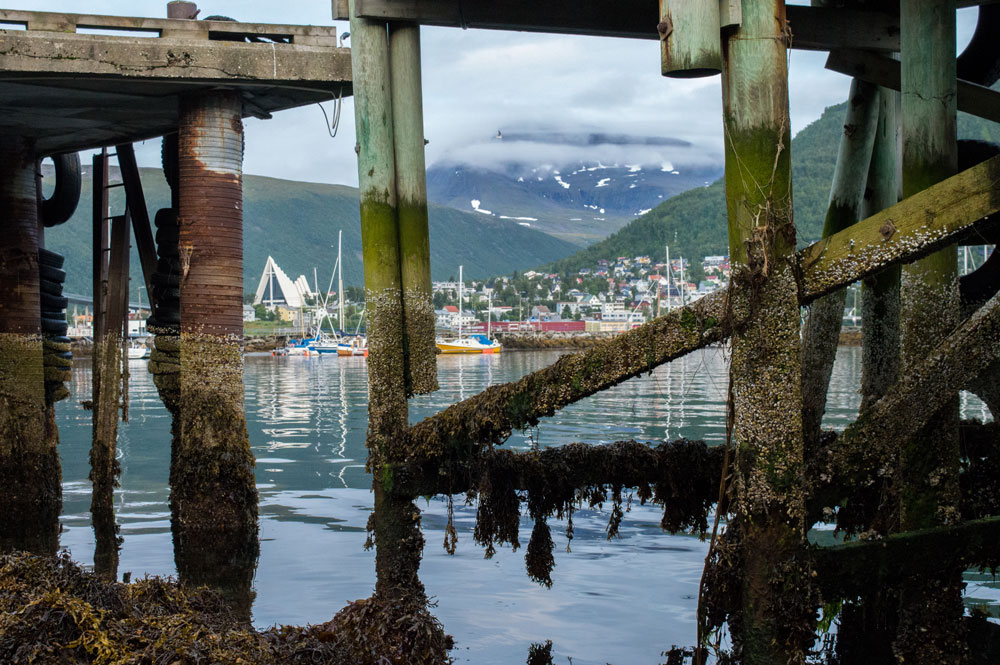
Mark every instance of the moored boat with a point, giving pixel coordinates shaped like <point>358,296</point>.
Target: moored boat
<point>471,344</point>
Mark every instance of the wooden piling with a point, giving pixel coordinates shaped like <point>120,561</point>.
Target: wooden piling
<point>690,43</point>
<point>821,332</point>
<point>213,495</point>
<point>931,610</point>
<point>411,200</point>
<point>880,292</point>
<point>395,531</point>
<point>774,622</point>
<point>30,495</point>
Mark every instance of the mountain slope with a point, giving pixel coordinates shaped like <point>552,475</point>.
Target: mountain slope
<point>694,223</point>
<point>297,224</point>
<point>581,204</point>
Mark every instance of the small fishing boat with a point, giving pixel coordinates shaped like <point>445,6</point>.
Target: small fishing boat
<point>473,343</point>
<point>470,344</point>
<point>138,349</point>
<point>325,344</point>
<point>353,346</point>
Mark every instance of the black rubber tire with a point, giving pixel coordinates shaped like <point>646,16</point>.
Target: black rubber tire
<point>167,235</point>
<point>52,274</point>
<point>55,314</point>
<point>170,160</point>
<point>49,258</point>
<point>170,252</point>
<point>164,294</point>
<point>55,327</point>
<point>58,340</point>
<point>53,303</point>
<point>163,279</point>
<point>167,318</point>
<point>66,196</point>
<point>980,61</point>
<point>165,217</point>
<point>50,287</point>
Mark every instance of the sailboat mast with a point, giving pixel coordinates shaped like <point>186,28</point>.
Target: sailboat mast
<point>682,282</point>
<point>340,282</point>
<point>461,285</point>
<point>670,271</point>
<point>489,313</point>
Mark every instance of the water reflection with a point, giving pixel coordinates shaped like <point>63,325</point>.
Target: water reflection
<point>307,419</point>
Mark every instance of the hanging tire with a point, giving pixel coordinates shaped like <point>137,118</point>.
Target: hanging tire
<point>61,206</point>
<point>52,274</point>
<point>50,287</point>
<point>169,160</point>
<point>49,258</point>
<point>167,235</point>
<point>57,327</point>
<point>165,218</point>
<point>53,303</point>
<point>168,280</point>
<point>57,339</point>
<point>170,252</point>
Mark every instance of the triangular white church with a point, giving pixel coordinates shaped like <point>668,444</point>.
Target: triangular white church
<point>276,289</point>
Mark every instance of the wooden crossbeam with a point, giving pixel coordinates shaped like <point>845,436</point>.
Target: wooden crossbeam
<point>813,28</point>
<point>908,230</point>
<point>912,228</point>
<point>973,98</point>
<point>848,571</point>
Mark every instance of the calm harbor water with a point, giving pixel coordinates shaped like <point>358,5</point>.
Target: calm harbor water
<point>623,601</point>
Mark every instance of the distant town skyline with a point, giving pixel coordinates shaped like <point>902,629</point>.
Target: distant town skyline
<point>477,82</point>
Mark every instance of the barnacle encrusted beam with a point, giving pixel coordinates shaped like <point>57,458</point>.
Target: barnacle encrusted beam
<point>562,470</point>
<point>903,232</point>
<point>850,570</point>
<point>490,417</point>
<point>868,445</point>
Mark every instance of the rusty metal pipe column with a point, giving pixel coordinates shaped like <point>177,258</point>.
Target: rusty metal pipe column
<point>30,495</point>
<point>213,496</point>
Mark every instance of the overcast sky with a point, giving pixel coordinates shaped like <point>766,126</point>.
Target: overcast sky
<point>478,81</point>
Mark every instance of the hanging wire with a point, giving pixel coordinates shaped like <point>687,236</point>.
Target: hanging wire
<point>338,104</point>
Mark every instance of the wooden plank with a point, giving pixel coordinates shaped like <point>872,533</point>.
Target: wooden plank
<point>912,228</point>
<point>136,202</point>
<point>813,28</point>
<point>100,238</point>
<point>975,99</point>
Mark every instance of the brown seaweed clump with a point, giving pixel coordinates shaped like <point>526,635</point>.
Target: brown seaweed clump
<point>52,611</point>
<point>389,629</point>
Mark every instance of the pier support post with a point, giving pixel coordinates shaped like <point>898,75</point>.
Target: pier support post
<point>411,200</point>
<point>931,610</point>
<point>821,333</point>
<point>213,496</point>
<point>30,496</point>
<point>774,620</point>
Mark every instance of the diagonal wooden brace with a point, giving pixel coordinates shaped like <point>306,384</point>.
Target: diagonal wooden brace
<point>904,232</point>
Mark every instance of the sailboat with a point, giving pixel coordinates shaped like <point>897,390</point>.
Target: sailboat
<point>356,345</point>
<point>472,343</point>
<point>325,343</point>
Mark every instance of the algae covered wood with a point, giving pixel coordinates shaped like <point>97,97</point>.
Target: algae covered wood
<point>914,227</point>
<point>880,291</point>
<point>930,307</point>
<point>821,332</point>
<point>772,622</point>
<point>411,193</point>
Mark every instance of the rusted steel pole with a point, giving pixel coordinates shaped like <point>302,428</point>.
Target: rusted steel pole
<point>774,622</point>
<point>821,333</point>
<point>930,629</point>
<point>30,494</point>
<point>411,206</point>
<point>213,495</point>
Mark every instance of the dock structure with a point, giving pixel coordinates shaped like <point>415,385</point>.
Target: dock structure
<point>905,482</point>
<point>122,80</point>
<point>892,481</point>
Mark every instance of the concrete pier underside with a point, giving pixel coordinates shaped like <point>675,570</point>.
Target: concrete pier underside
<point>69,91</point>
